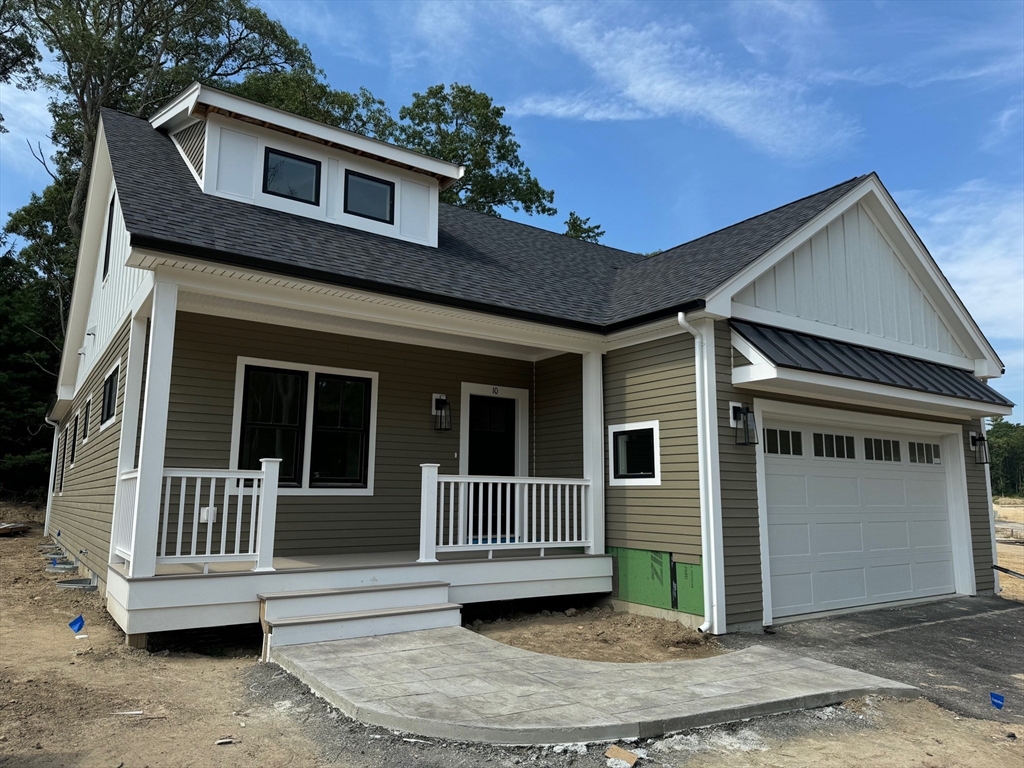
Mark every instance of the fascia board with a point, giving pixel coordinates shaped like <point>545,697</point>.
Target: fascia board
<point>719,301</point>
<point>85,269</point>
<point>215,98</point>
<point>855,392</point>
<point>252,285</point>
<point>177,110</point>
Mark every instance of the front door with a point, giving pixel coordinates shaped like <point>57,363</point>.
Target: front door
<point>492,453</point>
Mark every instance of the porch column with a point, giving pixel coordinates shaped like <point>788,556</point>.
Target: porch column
<point>428,513</point>
<point>129,412</point>
<point>593,445</point>
<point>154,430</point>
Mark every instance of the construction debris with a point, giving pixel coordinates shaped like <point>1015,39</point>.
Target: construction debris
<point>9,529</point>
<point>617,753</point>
<point>224,740</point>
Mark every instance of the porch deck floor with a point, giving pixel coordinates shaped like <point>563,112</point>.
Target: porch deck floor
<point>297,562</point>
<point>453,683</point>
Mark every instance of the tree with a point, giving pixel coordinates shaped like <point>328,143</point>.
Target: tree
<point>464,126</point>
<point>18,53</point>
<point>581,229</point>
<point>1006,457</point>
<point>304,92</point>
<point>133,54</point>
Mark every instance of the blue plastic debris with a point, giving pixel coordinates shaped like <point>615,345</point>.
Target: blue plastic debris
<point>58,533</point>
<point>53,561</point>
<point>997,700</point>
<point>77,624</point>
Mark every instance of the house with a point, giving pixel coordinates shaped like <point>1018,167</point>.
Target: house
<point>298,389</point>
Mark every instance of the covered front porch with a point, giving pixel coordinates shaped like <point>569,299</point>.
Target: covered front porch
<point>496,499</point>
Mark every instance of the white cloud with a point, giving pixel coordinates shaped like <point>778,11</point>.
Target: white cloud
<point>657,70</point>
<point>27,119</point>
<point>976,234</point>
<point>1006,125</point>
<point>799,30</point>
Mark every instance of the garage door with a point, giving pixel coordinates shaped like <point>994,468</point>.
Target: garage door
<point>854,518</point>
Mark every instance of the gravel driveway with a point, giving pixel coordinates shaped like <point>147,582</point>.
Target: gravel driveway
<point>957,651</point>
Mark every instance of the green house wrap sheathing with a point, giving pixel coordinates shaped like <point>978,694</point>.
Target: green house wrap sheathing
<point>646,578</point>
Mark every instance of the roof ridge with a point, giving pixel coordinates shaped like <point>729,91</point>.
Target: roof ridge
<point>759,215</point>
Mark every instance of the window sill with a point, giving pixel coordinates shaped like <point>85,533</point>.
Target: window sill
<point>325,491</point>
<point>620,482</point>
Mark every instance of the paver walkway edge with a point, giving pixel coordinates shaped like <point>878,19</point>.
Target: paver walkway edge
<point>454,684</point>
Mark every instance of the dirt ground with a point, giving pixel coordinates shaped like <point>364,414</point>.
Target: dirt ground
<point>60,699</point>
<point>601,634</point>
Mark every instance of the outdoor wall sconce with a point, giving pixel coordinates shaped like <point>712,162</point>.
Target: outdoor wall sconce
<point>980,445</point>
<point>441,410</point>
<point>742,418</point>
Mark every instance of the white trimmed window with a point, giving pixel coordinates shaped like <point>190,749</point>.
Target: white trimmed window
<point>634,452</point>
<point>108,402</point>
<point>321,422</point>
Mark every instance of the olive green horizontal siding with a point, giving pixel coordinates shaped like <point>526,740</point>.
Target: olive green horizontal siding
<point>980,513</point>
<point>741,543</point>
<point>655,381</point>
<point>84,510</point>
<point>202,398</point>
<point>558,417</point>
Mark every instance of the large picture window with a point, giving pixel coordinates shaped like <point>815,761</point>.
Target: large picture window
<point>634,454</point>
<point>291,176</point>
<point>319,421</point>
<point>273,420</point>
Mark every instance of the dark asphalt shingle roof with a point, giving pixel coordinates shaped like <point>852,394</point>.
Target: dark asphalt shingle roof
<point>481,261</point>
<point>803,352</point>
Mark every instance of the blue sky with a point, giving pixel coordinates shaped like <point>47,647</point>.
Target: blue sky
<point>663,121</point>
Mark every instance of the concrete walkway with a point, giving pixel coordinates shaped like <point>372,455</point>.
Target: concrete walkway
<point>455,684</point>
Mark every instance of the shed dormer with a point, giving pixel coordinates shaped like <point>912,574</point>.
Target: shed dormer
<point>246,151</point>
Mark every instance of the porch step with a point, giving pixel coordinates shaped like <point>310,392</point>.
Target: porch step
<point>278,606</point>
<point>342,626</point>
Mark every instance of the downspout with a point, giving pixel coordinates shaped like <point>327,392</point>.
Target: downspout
<point>707,531</point>
<point>53,469</point>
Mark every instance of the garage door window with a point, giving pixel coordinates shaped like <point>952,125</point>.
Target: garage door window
<point>783,442</point>
<point>828,446</point>
<point>877,449</point>
<point>924,453</point>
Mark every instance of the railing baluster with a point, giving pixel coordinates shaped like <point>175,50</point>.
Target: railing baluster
<point>209,515</point>
<point>224,517</point>
<point>533,513</point>
<point>181,515</point>
<point>195,514</point>
<point>451,512</point>
<point>167,511</point>
<point>490,511</point>
<point>258,490</point>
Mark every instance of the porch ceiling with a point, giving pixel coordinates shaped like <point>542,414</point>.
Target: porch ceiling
<point>293,317</point>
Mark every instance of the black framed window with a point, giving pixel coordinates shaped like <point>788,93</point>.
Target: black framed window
<point>783,442</point>
<point>877,449</point>
<point>109,404</point>
<point>274,420</point>
<point>291,176</point>
<point>85,420</point>
<point>110,232</point>
<point>74,440</point>
<point>340,439</point>
<point>369,197</point>
<point>63,460</point>
<point>829,446</point>
<point>633,454</point>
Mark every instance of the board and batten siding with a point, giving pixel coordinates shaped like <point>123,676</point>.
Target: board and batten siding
<point>741,542</point>
<point>649,381</point>
<point>557,429</point>
<point>848,276</point>
<point>84,511</point>
<point>202,398</point>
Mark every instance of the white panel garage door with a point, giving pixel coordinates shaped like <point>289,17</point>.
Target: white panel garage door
<point>852,523</point>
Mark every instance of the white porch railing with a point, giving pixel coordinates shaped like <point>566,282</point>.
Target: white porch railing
<point>207,516</point>
<point>466,513</point>
<point>124,515</point>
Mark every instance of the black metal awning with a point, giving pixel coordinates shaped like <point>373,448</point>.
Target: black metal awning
<point>804,352</point>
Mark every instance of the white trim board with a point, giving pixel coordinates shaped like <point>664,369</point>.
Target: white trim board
<point>951,437</point>
<point>305,490</point>
<point>627,482</point>
<point>522,398</point>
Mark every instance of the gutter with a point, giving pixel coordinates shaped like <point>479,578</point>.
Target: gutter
<point>707,452</point>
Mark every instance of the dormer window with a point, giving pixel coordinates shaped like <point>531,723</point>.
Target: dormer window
<point>291,176</point>
<point>369,197</point>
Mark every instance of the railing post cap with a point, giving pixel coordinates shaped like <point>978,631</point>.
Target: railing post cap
<point>276,461</point>
<point>430,465</point>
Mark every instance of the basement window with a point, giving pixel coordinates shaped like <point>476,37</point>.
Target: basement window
<point>878,449</point>
<point>291,176</point>
<point>635,454</point>
<point>369,197</point>
<point>828,446</point>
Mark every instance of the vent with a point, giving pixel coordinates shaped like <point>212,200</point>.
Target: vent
<point>190,141</point>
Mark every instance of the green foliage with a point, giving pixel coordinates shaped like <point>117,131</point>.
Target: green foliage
<point>581,229</point>
<point>1006,457</point>
<point>304,92</point>
<point>464,126</point>
<point>18,54</point>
